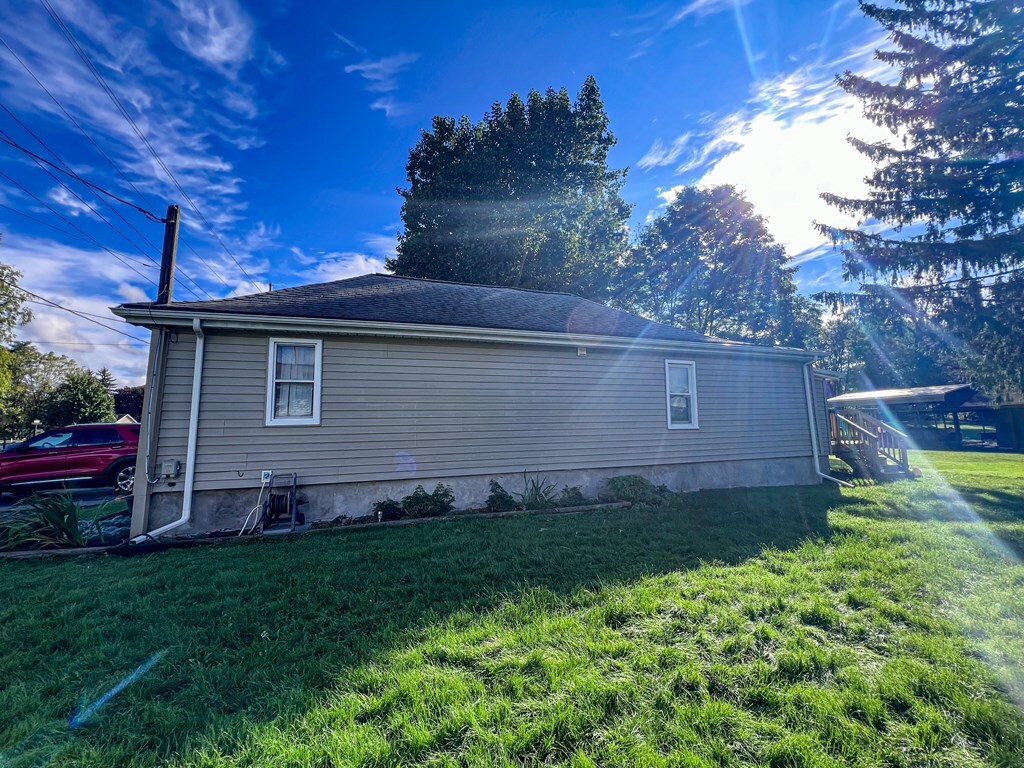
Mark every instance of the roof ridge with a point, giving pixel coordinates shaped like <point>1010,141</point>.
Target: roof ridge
<point>475,285</point>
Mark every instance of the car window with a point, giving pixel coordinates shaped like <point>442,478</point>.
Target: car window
<point>95,436</point>
<point>48,440</point>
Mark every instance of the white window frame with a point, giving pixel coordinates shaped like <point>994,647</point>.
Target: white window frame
<point>290,421</point>
<point>693,394</point>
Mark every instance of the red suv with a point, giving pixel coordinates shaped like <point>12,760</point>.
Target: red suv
<point>99,453</point>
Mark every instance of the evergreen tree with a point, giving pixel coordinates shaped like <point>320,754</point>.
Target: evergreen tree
<point>523,198</point>
<point>710,264</point>
<point>106,378</point>
<point>80,399</point>
<point>950,185</point>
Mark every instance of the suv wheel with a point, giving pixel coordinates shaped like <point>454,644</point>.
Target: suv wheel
<point>122,477</point>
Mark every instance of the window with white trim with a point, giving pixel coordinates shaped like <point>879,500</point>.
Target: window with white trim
<point>293,382</point>
<point>681,394</point>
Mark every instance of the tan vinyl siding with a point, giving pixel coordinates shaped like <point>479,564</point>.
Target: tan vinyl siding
<point>455,409</point>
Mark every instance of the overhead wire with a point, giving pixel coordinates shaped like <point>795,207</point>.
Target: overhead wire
<point>37,159</point>
<point>81,343</point>
<point>101,80</point>
<point>123,259</point>
<point>85,316</point>
<point>37,220</point>
<point>5,137</point>
<point>66,170</point>
<point>105,156</point>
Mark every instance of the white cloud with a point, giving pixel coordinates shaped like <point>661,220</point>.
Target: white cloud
<point>189,116</point>
<point>216,32</point>
<point>659,154</point>
<point>705,8</point>
<point>63,274</point>
<point>350,43</point>
<point>785,148</point>
<point>69,202</point>
<point>381,74</point>
<point>335,265</point>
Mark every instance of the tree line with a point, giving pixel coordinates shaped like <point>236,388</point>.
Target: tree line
<point>525,198</point>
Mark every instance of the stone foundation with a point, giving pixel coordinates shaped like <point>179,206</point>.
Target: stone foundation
<point>220,510</point>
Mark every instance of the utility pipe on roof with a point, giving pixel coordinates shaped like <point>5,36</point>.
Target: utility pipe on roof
<point>193,432</point>
<point>809,393</point>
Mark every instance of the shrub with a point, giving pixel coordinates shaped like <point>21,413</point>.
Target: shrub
<point>572,497</point>
<point>52,521</point>
<point>538,493</point>
<point>635,489</point>
<point>387,509</point>
<point>422,504</point>
<point>500,500</point>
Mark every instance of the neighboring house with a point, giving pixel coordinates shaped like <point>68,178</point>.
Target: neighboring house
<point>369,386</point>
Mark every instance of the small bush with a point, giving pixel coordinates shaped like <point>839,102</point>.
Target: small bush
<point>387,509</point>
<point>53,521</point>
<point>571,497</point>
<point>636,489</point>
<point>500,500</point>
<point>538,493</point>
<point>422,504</point>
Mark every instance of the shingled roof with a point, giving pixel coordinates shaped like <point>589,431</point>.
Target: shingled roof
<point>392,299</point>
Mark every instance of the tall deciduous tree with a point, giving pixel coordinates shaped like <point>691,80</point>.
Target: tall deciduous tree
<point>708,263</point>
<point>523,198</point>
<point>950,184</point>
<point>33,376</point>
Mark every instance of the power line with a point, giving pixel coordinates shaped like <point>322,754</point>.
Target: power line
<point>81,343</point>
<point>44,223</point>
<point>37,159</point>
<point>76,46</point>
<point>77,125</point>
<point>105,156</point>
<point>5,137</point>
<point>83,312</point>
<point>52,303</point>
<point>68,172</point>
<point>122,259</point>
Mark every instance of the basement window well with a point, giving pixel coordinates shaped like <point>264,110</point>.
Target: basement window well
<point>294,376</point>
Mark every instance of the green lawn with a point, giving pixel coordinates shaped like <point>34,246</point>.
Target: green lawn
<point>880,626</point>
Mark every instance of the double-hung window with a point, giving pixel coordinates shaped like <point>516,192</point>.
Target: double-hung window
<point>681,394</point>
<point>293,382</point>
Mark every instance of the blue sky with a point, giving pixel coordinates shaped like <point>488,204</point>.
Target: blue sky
<point>289,124</point>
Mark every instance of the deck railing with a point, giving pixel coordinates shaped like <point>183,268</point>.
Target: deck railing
<point>892,443</point>
<point>875,441</point>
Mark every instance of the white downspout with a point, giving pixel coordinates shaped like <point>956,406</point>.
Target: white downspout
<point>193,433</point>
<point>809,393</point>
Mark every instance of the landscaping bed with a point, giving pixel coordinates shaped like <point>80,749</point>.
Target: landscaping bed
<point>878,626</point>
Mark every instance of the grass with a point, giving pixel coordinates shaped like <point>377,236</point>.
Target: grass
<point>879,626</point>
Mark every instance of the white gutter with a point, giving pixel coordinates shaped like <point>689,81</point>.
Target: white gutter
<point>811,422</point>
<point>147,318</point>
<point>193,433</point>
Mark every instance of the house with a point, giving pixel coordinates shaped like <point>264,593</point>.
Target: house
<point>369,386</point>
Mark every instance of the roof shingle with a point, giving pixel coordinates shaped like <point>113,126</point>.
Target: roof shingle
<point>393,299</point>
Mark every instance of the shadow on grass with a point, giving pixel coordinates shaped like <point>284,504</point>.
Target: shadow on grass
<point>256,631</point>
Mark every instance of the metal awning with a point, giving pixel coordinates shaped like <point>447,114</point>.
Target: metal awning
<point>948,395</point>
